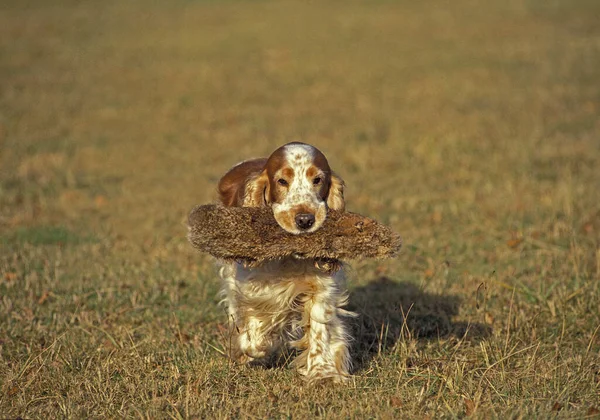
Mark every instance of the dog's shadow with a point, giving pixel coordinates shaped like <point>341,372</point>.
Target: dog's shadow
<point>389,311</point>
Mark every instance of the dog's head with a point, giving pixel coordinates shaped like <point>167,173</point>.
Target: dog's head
<point>295,181</point>
<point>299,187</point>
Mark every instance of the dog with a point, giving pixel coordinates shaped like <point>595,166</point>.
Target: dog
<point>290,302</point>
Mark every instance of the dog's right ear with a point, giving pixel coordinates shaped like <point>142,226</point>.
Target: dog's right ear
<point>257,192</point>
<point>239,186</point>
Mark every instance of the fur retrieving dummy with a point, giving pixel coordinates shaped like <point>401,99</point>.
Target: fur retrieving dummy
<point>251,235</point>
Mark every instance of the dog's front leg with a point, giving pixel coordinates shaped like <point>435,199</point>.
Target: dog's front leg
<point>325,342</point>
<point>256,340</point>
<point>251,336</point>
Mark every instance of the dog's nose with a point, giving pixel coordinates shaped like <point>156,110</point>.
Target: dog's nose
<point>305,220</point>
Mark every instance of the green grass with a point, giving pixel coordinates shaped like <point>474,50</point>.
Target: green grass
<point>470,127</point>
<point>44,235</point>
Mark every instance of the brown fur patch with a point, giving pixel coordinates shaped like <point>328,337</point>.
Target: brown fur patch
<point>287,173</point>
<point>312,172</point>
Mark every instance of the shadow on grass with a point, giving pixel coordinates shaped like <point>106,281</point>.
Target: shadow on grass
<point>389,311</point>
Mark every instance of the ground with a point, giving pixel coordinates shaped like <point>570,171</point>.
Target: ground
<point>471,128</point>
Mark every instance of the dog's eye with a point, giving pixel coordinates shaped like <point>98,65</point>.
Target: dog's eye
<point>282,181</point>
<point>316,181</point>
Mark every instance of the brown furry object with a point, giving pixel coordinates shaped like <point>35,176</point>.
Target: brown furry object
<point>252,235</point>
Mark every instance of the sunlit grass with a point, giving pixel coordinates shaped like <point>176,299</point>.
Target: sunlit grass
<point>470,128</point>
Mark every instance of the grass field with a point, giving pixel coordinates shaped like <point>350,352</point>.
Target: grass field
<point>470,127</point>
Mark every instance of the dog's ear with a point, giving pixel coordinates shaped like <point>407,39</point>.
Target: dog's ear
<point>335,197</point>
<point>238,185</point>
<point>258,191</point>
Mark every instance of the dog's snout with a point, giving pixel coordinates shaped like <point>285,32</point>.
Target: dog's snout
<point>305,221</point>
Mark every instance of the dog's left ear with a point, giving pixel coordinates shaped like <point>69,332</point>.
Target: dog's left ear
<point>258,191</point>
<point>335,197</point>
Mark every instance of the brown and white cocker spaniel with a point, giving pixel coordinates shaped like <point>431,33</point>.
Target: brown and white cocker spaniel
<point>295,302</point>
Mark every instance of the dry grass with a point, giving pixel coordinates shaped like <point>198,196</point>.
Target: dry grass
<point>470,127</point>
